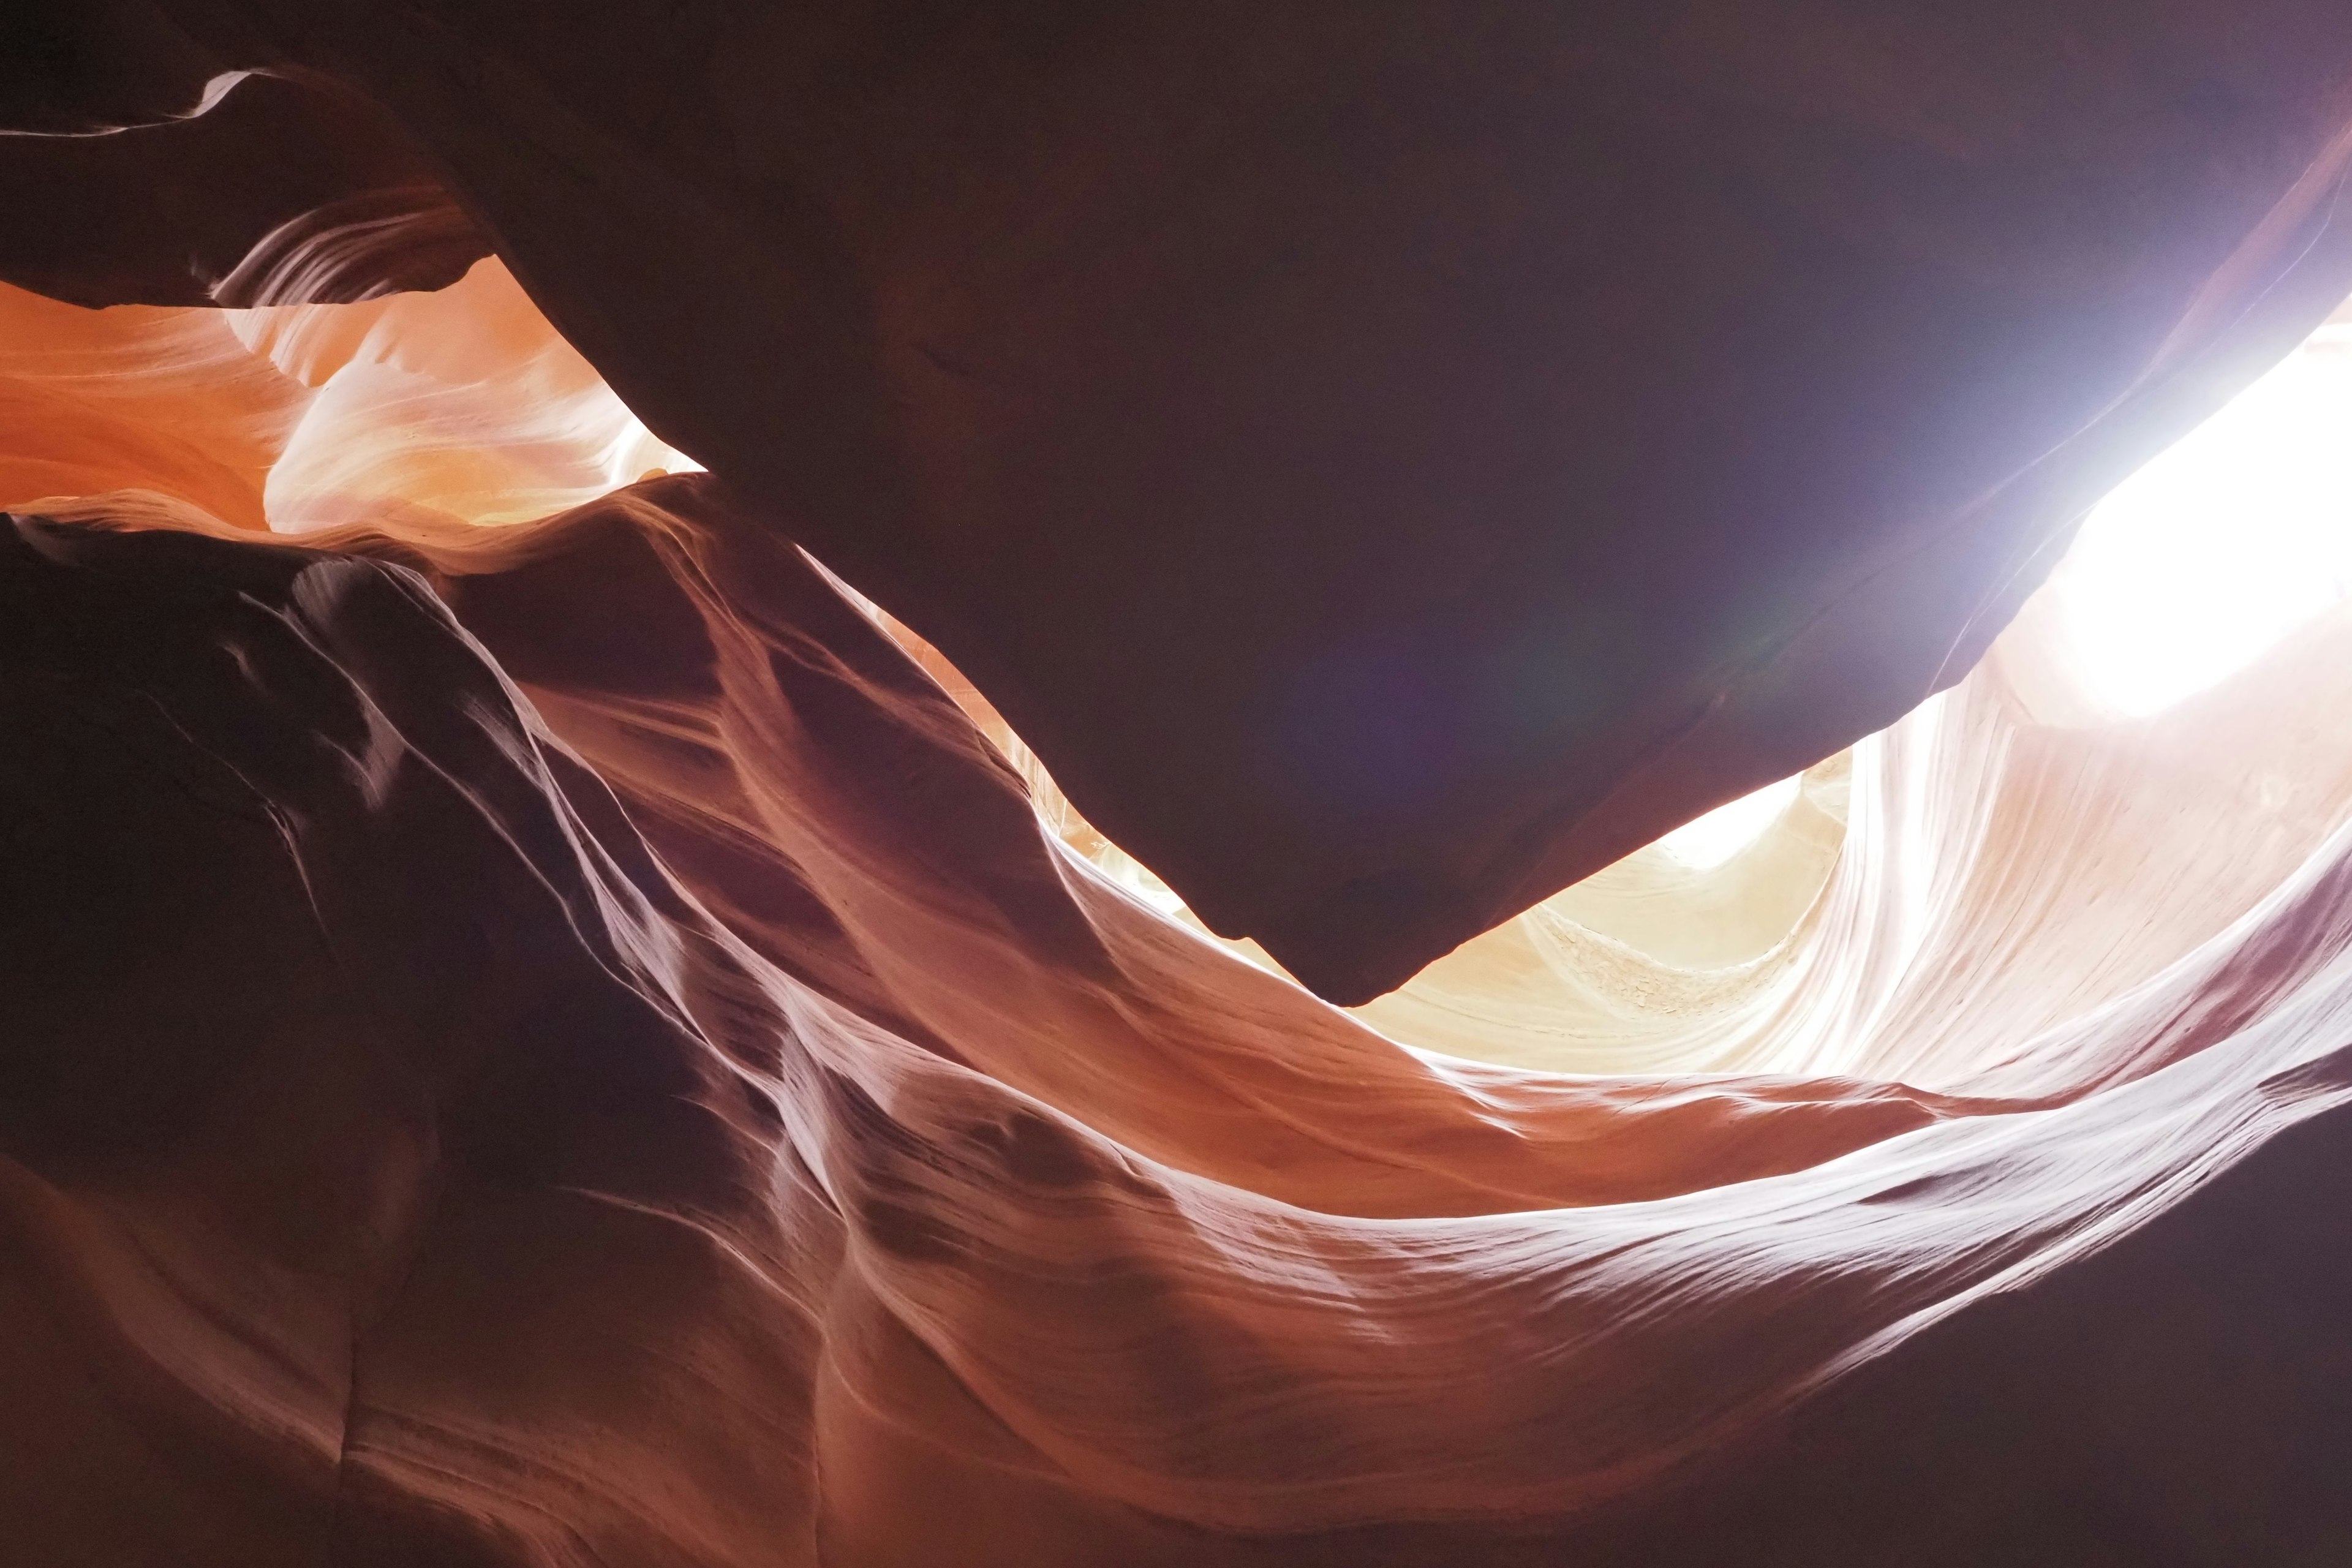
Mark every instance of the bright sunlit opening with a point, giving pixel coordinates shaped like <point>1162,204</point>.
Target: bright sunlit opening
<point>1723,832</point>
<point>2199,562</point>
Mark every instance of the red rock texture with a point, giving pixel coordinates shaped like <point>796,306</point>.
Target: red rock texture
<point>277,193</point>
<point>557,1042</point>
<point>1390,464</point>
<point>681,1107</point>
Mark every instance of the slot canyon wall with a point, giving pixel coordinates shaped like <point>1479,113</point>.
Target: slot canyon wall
<point>600,610</point>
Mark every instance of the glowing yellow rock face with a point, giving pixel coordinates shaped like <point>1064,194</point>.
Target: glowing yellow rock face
<point>1816,926</point>
<point>883,1130</point>
<point>462,404</point>
<point>2149,748</point>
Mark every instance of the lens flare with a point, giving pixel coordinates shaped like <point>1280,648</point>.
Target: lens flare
<point>2221,546</point>
<point>1708,841</point>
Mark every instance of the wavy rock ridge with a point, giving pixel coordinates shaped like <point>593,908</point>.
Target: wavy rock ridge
<point>534,1029</point>
<point>683,1107</point>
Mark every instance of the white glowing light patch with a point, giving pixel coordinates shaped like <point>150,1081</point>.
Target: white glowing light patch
<point>2227,542</point>
<point>1712,839</point>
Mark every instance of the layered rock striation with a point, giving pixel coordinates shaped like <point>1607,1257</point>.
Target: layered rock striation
<point>536,1029</point>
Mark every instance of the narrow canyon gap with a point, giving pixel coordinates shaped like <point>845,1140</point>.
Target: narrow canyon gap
<point>535,1027</point>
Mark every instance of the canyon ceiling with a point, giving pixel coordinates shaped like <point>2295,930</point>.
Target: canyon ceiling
<point>555,556</point>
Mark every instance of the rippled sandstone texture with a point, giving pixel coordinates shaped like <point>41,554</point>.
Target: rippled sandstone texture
<point>277,191</point>
<point>732,1133</point>
<point>555,1041</point>
<point>1391,465</point>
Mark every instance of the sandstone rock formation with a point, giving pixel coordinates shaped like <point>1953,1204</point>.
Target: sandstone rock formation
<point>682,1108</point>
<point>535,1027</point>
<point>1389,467</point>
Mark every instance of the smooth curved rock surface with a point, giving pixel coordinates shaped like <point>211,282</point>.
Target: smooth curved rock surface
<point>272,193</point>
<point>1391,467</point>
<point>79,68</point>
<point>535,1028</point>
<point>785,1153</point>
<point>2048,870</point>
<point>462,404</point>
